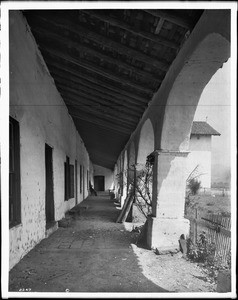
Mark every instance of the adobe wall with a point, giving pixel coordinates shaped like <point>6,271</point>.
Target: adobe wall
<point>43,118</point>
<point>200,154</point>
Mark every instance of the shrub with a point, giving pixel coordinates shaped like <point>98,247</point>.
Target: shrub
<point>194,186</point>
<point>205,252</point>
<point>202,251</point>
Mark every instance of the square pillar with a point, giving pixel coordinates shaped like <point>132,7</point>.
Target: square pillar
<point>167,222</point>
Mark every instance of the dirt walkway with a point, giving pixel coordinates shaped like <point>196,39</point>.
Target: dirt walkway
<point>95,254</point>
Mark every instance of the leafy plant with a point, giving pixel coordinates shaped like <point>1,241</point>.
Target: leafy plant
<point>205,252</point>
<point>141,184</point>
<point>202,251</point>
<point>222,264</point>
<point>194,185</point>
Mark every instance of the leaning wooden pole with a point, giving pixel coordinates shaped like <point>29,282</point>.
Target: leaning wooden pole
<point>126,208</point>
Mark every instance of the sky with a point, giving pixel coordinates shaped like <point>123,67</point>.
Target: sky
<point>215,105</point>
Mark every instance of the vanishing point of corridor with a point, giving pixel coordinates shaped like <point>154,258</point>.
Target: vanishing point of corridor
<point>92,254</point>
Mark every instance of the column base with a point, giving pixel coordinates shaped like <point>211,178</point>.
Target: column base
<point>163,234</point>
<point>122,201</point>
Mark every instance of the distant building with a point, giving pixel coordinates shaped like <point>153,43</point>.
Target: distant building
<point>200,152</point>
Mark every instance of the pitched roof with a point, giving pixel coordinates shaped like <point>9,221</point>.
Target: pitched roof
<point>203,128</point>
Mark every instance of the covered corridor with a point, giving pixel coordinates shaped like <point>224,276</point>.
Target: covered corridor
<point>95,254</point>
<point>94,94</point>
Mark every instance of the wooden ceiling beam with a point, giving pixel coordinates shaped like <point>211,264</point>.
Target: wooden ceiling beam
<point>122,102</point>
<point>131,97</point>
<point>96,121</point>
<point>170,18</point>
<point>80,48</point>
<point>95,102</point>
<point>99,70</point>
<point>70,27</point>
<point>159,26</point>
<point>119,23</point>
<point>82,103</point>
<point>97,95</point>
<point>91,117</point>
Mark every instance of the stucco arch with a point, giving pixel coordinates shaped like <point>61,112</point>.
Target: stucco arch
<point>146,143</point>
<point>131,162</point>
<point>184,96</point>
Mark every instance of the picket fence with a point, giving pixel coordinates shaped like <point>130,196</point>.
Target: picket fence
<point>218,231</point>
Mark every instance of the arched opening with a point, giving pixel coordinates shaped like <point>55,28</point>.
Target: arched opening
<point>144,173</point>
<point>131,163</point>
<point>209,148</point>
<point>183,99</point>
<point>146,144</point>
<point>198,69</point>
<point>170,166</point>
<point>209,56</point>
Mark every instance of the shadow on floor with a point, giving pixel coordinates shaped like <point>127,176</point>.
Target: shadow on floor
<point>93,254</point>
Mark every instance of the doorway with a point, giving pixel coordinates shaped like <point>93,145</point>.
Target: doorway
<point>49,192</point>
<point>99,183</point>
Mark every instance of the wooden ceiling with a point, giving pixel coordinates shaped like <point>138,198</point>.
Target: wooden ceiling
<point>107,64</point>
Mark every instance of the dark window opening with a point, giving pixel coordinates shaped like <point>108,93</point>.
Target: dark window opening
<point>83,183</point>
<point>49,191</point>
<point>71,189</point>
<point>14,174</point>
<point>69,179</point>
<point>87,180</point>
<point>81,179</point>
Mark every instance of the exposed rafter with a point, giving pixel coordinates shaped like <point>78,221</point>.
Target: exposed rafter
<point>85,99</point>
<point>96,121</point>
<point>107,65</point>
<point>132,29</point>
<point>66,42</point>
<point>159,26</point>
<point>131,97</point>
<point>84,32</point>
<point>75,101</point>
<point>101,96</point>
<point>99,70</point>
<point>169,17</point>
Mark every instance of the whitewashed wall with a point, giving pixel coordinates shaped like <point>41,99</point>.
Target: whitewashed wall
<point>200,154</point>
<point>43,118</point>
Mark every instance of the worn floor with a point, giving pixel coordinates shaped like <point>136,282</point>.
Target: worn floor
<point>96,254</point>
<point>93,254</point>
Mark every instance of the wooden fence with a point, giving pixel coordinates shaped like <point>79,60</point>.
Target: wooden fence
<point>217,229</point>
<point>215,191</point>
